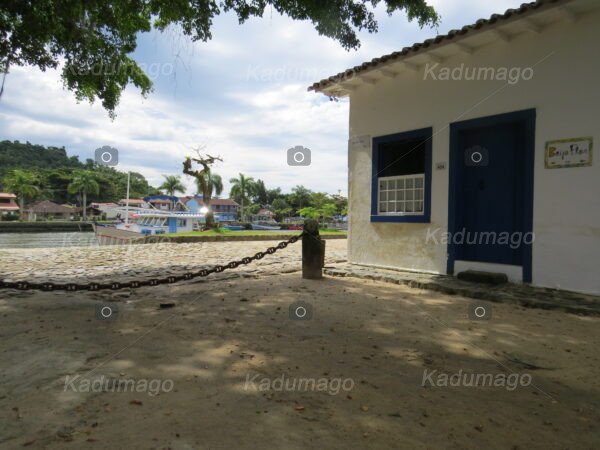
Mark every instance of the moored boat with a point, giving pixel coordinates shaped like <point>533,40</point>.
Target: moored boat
<point>161,222</point>
<point>266,226</point>
<point>234,227</point>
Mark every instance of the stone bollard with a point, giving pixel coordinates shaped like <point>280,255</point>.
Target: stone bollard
<point>313,251</point>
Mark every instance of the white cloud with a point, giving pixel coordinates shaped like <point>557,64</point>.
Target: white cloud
<point>243,95</point>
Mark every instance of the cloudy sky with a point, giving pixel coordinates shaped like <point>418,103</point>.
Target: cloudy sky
<point>242,96</point>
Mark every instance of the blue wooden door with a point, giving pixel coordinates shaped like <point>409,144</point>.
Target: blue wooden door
<point>491,190</point>
<point>490,203</point>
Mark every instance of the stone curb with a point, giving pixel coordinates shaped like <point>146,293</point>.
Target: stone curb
<point>527,296</point>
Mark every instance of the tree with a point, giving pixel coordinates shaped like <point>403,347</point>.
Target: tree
<point>274,194</point>
<point>254,208</point>
<point>139,186</point>
<point>214,183</point>
<point>172,184</point>
<point>280,208</point>
<point>23,184</point>
<point>327,211</point>
<point>300,197</point>
<point>241,189</point>
<point>260,193</point>
<point>205,180</point>
<point>310,212</point>
<point>341,204</point>
<point>207,183</point>
<point>318,199</point>
<point>95,38</point>
<point>84,182</point>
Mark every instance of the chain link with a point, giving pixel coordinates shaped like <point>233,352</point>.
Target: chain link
<point>71,287</point>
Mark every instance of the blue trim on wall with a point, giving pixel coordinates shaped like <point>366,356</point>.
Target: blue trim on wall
<point>425,133</point>
<point>527,116</point>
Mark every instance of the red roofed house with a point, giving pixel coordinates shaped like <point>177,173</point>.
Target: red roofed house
<point>8,203</point>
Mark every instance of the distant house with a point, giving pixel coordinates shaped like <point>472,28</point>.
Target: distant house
<point>473,150</point>
<point>226,208</point>
<point>106,209</point>
<point>8,203</point>
<point>46,209</point>
<point>162,204</point>
<point>263,215</point>
<point>134,202</point>
<point>91,211</point>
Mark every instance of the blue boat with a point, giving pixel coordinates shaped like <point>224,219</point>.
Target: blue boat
<point>234,227</point>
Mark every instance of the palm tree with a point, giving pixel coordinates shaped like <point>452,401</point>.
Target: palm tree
<point>84,182</point>
<point>241,188</point>
<point>172,184</point>
<point>214,184</point>
<point>207,183</point>
<point>300,197</point>
<point>260,193</point>
<point>23,184</point>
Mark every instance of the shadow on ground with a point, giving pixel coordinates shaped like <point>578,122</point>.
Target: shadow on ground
<point>222,338</point>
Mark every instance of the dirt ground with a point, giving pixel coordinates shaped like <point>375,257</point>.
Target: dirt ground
<point>220,334</point>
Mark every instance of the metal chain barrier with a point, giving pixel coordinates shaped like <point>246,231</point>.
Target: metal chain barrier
<point>26,286</point>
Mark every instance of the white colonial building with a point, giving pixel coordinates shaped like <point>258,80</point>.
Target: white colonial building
<point>473,150</point>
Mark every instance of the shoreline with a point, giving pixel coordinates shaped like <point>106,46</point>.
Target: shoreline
<point>44,227</point>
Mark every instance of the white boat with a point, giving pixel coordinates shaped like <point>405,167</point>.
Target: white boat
<point>266,226</point>
<point>160,222</point>
<point>148,223</point>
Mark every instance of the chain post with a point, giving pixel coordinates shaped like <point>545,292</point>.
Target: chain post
<point>313,251</point>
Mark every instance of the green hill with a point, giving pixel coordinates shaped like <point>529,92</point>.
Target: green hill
<point>53,169</point>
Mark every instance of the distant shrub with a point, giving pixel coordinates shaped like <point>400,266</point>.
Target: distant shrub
<point>10,217</point>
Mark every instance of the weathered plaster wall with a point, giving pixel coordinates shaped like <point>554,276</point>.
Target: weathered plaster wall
<point>565,90</point>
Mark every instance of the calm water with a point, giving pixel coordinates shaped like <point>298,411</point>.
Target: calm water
<point>44,240</point>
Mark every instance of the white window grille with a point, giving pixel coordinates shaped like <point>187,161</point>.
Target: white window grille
<point>401,195</point>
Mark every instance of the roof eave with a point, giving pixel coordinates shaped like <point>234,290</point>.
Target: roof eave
<point>344,83</point>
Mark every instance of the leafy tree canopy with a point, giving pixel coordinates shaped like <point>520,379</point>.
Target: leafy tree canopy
<point>96,37</point>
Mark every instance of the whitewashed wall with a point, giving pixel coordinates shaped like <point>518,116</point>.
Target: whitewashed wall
<point>565,90</point>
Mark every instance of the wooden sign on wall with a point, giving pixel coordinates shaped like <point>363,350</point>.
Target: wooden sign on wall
<point>576,152</point>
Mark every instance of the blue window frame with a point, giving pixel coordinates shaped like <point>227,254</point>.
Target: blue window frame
<point>401,177</point>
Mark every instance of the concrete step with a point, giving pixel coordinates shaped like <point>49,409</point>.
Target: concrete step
<point>521,294</point>
<point>477,276</point>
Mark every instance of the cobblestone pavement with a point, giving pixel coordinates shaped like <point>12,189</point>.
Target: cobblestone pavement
<point>135,262</point>
<point>123,263</point>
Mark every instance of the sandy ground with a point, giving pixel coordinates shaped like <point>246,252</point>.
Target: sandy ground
<point>222,338</point>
